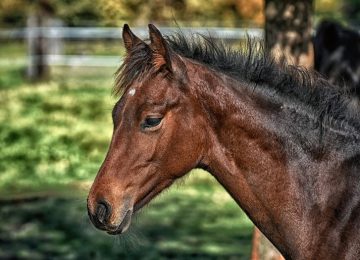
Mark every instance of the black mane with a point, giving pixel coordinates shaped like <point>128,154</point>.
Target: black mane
<point>252,64</point>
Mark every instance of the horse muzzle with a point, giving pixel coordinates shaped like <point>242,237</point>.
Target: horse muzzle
<point>104,218</point>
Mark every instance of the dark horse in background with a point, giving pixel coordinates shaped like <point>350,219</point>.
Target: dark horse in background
<point>337,55</point>
<point>282,141</point>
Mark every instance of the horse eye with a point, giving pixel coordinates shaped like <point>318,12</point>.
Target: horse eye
<point>151,122</point>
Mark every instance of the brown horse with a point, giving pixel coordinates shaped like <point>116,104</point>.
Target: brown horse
<point>283,142</point>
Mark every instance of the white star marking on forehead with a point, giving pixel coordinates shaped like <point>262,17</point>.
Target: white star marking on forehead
<point>132,92</point>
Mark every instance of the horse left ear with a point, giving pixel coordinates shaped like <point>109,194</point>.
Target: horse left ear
<point>130,39</point>
<point>160,49</point>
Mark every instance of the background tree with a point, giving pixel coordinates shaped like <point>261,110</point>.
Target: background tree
<point>288,30</point>
<point>352,11</point>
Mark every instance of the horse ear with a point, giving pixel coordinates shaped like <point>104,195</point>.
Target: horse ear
<point>160,49</point>
<point>130,39</point>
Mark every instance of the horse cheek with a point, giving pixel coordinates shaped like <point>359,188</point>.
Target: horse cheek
<point>184,155</point>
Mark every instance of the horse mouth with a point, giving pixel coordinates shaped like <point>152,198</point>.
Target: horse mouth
<point>142,202</point>
<point>150,195</point>
<point>124,225</point>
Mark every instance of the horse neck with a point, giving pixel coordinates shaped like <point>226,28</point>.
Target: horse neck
<point>250,158</point>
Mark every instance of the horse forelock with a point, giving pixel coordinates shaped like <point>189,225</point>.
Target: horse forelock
<point>137,63</point>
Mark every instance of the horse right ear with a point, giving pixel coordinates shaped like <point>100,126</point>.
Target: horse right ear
<point>130,39</point>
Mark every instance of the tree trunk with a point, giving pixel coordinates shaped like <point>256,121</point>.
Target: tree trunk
<point>288,31</point>
<point>263,249</point>
<point>288,37</point>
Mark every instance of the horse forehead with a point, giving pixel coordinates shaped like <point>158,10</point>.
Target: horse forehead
<point>154,89</point>
<point>143,92</point>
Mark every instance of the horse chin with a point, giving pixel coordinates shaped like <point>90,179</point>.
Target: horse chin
<point>123,226</point>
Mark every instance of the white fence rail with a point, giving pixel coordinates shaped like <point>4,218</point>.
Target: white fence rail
<point>52,54</point>
<point>83,60</point>
<point>115,33</point>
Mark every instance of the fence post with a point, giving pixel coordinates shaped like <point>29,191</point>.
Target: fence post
<point>38,44</point>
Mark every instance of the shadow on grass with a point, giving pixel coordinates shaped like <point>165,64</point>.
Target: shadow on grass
<point>182,224</point>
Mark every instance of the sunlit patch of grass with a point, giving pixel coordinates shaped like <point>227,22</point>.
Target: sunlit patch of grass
<point>50,134</point>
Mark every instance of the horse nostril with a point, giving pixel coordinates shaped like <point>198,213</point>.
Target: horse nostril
<point>102,212</point>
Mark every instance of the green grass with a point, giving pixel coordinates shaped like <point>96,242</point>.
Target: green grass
<point>53,137</point>
<point>12,49</point>
<point>55,132</point>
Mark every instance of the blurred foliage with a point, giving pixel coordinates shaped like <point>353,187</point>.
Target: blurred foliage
<point>325,9</point>
<point>78,13</point>
<point>197,220</point>
<point>165,12</point>
<point>73,13</point>
<point>326,6</point>
<point>12,12</point>
<point>190,12</point>
<point>344,11</point>
<point>352,11</point>
<point>139,12</point>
